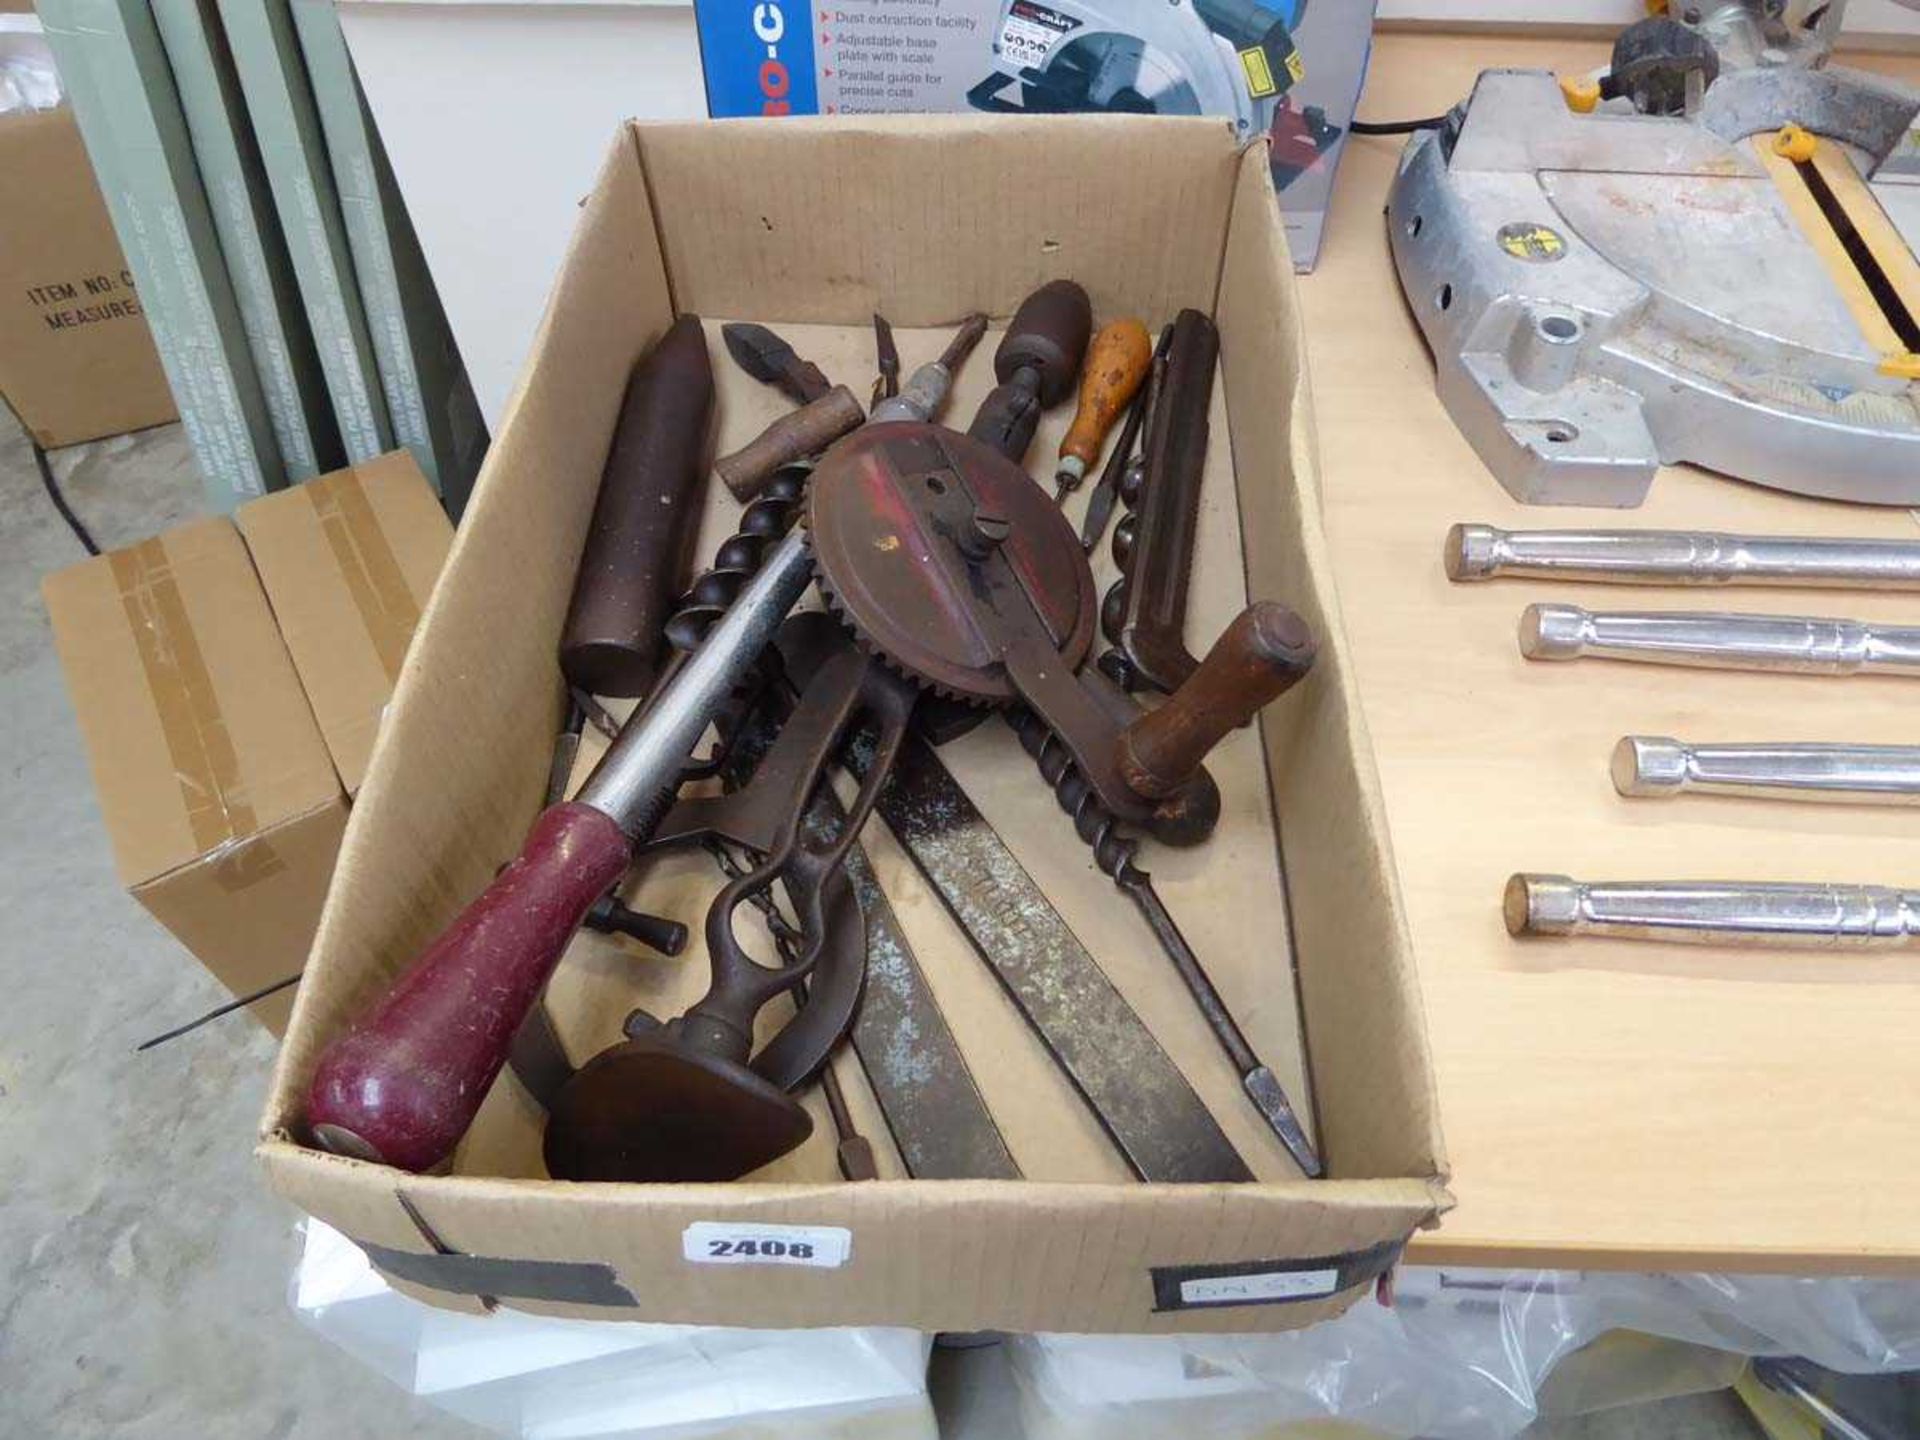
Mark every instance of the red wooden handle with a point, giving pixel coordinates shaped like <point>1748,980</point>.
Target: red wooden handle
<point>402,1086</point>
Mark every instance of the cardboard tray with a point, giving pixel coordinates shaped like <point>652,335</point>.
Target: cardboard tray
<point>812,225</point>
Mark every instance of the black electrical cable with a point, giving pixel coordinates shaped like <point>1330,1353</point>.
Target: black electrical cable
<point>1396,127</point>
<point>219,1010</point>
<point>60,501</point>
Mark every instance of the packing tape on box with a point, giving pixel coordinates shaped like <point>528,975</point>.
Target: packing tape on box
<point>1269,1282</point>
<point>367,565</point>
<point>206,767</point>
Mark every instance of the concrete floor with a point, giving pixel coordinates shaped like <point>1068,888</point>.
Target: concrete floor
<point>147,1265</point>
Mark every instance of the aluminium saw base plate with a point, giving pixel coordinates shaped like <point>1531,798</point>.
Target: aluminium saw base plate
<point>1605,293</point>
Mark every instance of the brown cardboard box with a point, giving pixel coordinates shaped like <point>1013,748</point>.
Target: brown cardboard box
<point>347,560</point>
<point>218,796</point>
<point>813,225</point>
<point>76,358</point>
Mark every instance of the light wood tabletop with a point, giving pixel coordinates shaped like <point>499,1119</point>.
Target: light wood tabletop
<point>1605,1103</point>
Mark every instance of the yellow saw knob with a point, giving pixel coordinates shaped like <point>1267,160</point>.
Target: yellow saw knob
<point>1117,363</point>
<point>1582,95</point>
<point>1795,143</point>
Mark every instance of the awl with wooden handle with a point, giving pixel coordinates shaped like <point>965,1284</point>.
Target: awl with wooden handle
<point>1117,364</point>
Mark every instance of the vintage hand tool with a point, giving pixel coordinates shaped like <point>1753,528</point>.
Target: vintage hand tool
<point>806,431</point>
<point>679,1102</point>
<point>886,384</point>
<point>948,562</point>
<point>1125,470</point>
<point>403,1085</point>
<point>1792,643</point>
<point>926,388</point>
<point>1716,912</point>
<point>1682,557</point>
<point>1131,1085</point>
<point>538,1059</point>
<point>1117,365</point>
<point>1144,614</point>
<point>1035,365</point>
<point>925,1090</point>
<point>1655,766</point>
<point>772,361</point>
<point>1269,627</point>
<point>644,519</point>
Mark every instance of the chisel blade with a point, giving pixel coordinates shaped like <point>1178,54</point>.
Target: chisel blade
<point>1134,1089</point>
<point>926,1093</point>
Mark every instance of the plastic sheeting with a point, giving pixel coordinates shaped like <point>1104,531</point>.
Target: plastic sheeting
<point>28,80</point>
<point>1463,1355</point>
<point>551,1379</point>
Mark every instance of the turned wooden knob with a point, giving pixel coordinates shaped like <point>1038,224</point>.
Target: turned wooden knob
<point>1257,659</point>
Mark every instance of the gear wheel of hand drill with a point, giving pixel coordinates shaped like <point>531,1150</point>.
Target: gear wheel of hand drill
<point>936,552</point>
<point>867,645</point>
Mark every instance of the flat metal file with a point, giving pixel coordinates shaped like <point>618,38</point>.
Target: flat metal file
<point>1134,1089</point>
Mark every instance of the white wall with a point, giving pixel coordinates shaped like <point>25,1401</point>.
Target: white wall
<point>497,114</point>
<point>497,118</point>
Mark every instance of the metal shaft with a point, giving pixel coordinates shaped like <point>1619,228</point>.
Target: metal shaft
<point>1654,765</point>
<point>1256,1078</point>
<point>925,390</point>
<point>634,781</point>
<point>1682,557</point>
<point>1715,912</point>
<point>1793,643</point>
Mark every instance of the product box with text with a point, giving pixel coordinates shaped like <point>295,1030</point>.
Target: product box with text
<point>1290,69</point>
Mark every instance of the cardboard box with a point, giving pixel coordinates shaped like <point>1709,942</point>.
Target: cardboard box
<point>218,795</point>
<point>347,560</point>
<point>77,361</point>
<point>813,225</point>
<point>1279,69</point>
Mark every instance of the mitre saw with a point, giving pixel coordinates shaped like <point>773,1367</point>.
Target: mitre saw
<point>1705,253</point>
<point>1235,58</point>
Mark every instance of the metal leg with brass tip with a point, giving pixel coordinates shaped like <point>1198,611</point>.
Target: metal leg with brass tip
<point>1715,912</point>
<point>1655,766</point>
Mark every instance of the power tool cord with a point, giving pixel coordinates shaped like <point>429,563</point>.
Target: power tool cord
<point>60,501</point>
<point>1396,127</point>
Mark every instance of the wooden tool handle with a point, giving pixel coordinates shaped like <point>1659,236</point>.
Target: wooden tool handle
<point>1260,656</point>
<point>1117,364</point>
<point>807,431</point>
<point>402,1086</point>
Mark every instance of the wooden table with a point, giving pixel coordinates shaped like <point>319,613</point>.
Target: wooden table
<point>1606,1104</point>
